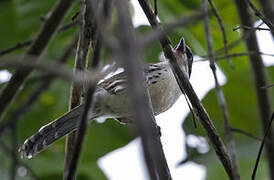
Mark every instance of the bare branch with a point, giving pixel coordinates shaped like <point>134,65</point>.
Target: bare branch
<point>70,174</point>
<point>155,8</point>
<point>261,16</point>
<point>186,87</point>
<point>18,114</point>
<point>268,10</point>
<point>16,47</point>
<point>251,28</point>
<point>269,127</point>
<point>240,131</point>
<point>260,80</point>
<point>267,86</point>
<point>221,97</point>
<point>29,42</point>
<point>73,145</point>
<point>67,26</point>
<point>14,142</point>
<point>36,49</point>
<point>221,24</point>
<point>12,154</point>
<point>234,55</point>
<point>142,109</point>
<point>160,31</point>
<point>237,41</point>
<point>79,77</point>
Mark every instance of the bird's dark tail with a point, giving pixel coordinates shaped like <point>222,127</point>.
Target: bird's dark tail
<point>51,132</point>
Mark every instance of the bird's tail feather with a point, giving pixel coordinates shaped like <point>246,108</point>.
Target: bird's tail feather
<point>51,132</point>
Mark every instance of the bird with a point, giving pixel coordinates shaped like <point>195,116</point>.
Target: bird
<point>111,100</point>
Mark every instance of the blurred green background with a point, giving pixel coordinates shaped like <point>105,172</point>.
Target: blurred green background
<point>20,21</point>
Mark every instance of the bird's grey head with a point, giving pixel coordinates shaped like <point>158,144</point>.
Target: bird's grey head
<point>184,56</point>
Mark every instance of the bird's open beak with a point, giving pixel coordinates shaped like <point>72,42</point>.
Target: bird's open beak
<point>181,46</point>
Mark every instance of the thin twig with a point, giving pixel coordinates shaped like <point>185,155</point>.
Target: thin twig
<point>261,16</point>
<point>237,41</point>
<point>18,114</point>
<point>160,31</point>
<point>14,142</point>
<point>67,26</point>
<point>79,77</point>
<point>186,87</point>
<point>97,52</point>
<point>269,127</point>
<point>30,41</point>
<point>38,46</point>
<point>16,47</point>
<point>155,8</point>
<point>234,55</point>
<point>268,10</point>
<point>267,86</point>
<point>12,154</point>
<point>221,24</point>
<point>251,28</point>
<point>102,20</point>
<point>221,97</point>
<point>240,131</point>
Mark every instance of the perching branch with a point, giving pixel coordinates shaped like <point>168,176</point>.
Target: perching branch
<point>36,49</point>
<point>186,87</point>
<point>220,96</point>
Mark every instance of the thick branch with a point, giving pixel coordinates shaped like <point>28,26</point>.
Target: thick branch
<point>142,109</point>
<point>260,80</point>
<point>38,46</point>
<point>186,87</point>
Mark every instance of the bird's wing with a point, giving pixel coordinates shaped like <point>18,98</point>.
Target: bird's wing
<point>117,83</point>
